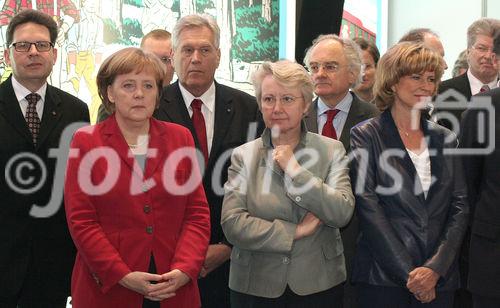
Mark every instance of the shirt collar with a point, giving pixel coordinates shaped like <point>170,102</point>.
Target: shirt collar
<point>344,105</point>
<point>208,98</point>
<point>21,91</point>
<point>476,84</point>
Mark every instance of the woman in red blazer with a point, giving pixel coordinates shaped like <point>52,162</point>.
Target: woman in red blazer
<point>135,205</point>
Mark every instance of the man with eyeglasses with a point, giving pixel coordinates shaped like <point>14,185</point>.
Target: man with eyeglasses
<point>482,74</point>
<point>36,254</point>
<point>159,42</point>
<point>335,65</point>
<point>219,118</point>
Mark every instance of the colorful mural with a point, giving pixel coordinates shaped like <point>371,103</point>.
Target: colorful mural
<point>90,30</point>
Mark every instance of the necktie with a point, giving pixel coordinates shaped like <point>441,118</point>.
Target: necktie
<point>199,127</point>
<point>328,129</point>
<point>484,88</point>
<point>32,118</point>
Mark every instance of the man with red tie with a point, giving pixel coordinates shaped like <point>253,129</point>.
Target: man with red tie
<point>335,66</point>
<point>219,118</point>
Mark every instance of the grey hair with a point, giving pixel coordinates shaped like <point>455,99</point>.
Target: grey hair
<point>287,73</point>
<point>196,21</point>
<point>483,26</point>
<point>352,53</point>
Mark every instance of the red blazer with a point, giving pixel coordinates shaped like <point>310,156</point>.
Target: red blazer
<point>117,219</point>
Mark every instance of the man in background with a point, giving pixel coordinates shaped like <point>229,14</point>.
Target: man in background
<point>219,118</point>
<point>159,42</point>
<point>335,66</point>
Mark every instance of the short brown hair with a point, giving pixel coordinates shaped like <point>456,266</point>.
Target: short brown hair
<point>369,46</point>
<point>401,60</point>
<point>34,16</point>
<point>126,61</point>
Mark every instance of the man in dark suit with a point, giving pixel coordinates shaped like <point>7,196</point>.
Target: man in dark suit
<point>483,183</point>
<point>36,251</point>
<point>335,65</point>
<point>219,118</point>
<point>482,74</point>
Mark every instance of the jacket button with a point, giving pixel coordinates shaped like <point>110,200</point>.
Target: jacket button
<point>298,198</point>
<point>147,209</point>
<point>149,229</point>
<point>286,260</point>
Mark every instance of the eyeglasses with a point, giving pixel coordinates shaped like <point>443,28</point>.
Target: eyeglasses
<point>41,46</point>
<point>483,49</point>
<point>330,67</point>
<point>166,60</point>
<point>285,100</point>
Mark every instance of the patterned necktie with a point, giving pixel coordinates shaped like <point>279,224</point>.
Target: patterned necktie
<point>32,118</point>
<point>484,88</point>
<point>199,127</point>
<point>328,129</point>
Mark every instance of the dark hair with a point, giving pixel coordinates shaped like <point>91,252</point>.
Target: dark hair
<point>369,46</point>
<point>417,35</point>
<point>158,34</point>
<point>33,16</point>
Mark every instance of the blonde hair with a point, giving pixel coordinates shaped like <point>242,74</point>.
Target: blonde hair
<point>401,60</point>
<point>126,61</point>
<point>287,73</point>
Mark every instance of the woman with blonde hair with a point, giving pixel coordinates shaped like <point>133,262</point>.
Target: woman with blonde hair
<point>287,195</point>
<point>410,193</point>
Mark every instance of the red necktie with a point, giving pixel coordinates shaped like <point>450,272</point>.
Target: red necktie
<point>484,88</point>
<point>199,127</point>
<point>31,117</point>
<point>328,129</point>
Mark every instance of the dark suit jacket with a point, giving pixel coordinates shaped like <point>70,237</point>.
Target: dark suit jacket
<point>234,111</point>
<point>401,230</point>
<point>360,111</point>
<point>40,250</point>
<point>483,183</point>
<point>462,85</point>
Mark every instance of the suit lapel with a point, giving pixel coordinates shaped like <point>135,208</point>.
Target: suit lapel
<point>436,156</point>
<point>51,114</point>
<point>354,116</point>
<point>393,141</point>
<point>116,141</point>
<point>311,117</point>
<point>173,108</point>
<point>156,133</point>
<point>11,111</point>
<point>465,85</point>
<point>223,117</point>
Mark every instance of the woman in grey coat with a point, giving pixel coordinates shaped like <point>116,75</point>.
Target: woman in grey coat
<point>287,195</point>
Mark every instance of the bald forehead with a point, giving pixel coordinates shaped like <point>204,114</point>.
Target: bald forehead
<point>434,43</point>
<point>327,50</point>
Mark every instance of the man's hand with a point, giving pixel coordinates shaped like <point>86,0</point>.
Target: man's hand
<point>216,255</point>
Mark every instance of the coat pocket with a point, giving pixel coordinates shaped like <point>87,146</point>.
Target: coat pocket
<point>486,230</point>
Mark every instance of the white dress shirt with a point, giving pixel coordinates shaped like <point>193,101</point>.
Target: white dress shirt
<point>207,109</point>
<point>476,84</point>
<point>339,121</point>
<point>21,93</point>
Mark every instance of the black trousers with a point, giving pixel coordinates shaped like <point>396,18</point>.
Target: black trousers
<point>214,290</point>
<point>146,303</point>
<point>371,296</point>
<point>331,298</point>
<point>485,302</point>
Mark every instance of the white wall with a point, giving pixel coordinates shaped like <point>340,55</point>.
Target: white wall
<point>448,18</point>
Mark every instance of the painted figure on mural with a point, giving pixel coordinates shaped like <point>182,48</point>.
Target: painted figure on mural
<point>84,54</point>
